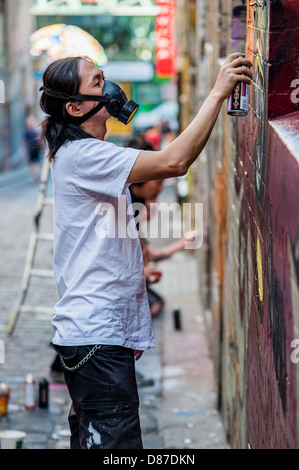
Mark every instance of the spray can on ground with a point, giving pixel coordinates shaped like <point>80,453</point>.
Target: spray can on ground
<point>239,99</point>
<point>177,318</point>
<point>29,392</point>
<point>4,398</point>
<point>43,396</point>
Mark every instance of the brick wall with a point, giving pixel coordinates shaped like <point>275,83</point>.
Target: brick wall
<point>248,179</point>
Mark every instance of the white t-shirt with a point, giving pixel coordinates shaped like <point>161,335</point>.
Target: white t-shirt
<point>98,264</point>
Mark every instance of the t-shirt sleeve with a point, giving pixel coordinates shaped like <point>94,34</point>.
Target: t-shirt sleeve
<point>104,167</point>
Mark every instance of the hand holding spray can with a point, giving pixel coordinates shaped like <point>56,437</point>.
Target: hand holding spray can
<point>239,100</point>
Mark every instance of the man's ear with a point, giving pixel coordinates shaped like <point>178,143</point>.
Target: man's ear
<point>72,107</point>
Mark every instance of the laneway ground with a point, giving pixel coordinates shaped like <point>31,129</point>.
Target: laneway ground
<point>27,350</point>
<point>187,417</point>
<point>177,411</point>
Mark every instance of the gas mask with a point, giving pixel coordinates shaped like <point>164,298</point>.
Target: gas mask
<point>114,99</point>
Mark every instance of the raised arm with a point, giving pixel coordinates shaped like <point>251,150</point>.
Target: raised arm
<point>184,150</point>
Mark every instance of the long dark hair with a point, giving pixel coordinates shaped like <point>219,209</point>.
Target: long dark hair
<point>59,127</point>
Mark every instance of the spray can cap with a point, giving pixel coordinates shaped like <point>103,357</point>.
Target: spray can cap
<point>29,378</point>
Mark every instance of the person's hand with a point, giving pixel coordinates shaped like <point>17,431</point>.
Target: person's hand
<point>234,69</point>
<point>189,237</point>
<point>137,354</point>
<point>152,273</point>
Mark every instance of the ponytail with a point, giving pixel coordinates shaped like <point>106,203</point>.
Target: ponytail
<point>55,133</point>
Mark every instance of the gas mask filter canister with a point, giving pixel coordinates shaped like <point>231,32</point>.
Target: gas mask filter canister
<point>119,106</point>
<point>114,99</point>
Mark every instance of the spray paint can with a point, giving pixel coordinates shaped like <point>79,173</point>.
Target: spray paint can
<point>177,318</point>
<point>239,99</point>
<point>43,395</point>
<point>156,276</point>
<point>4,398</point>
<point>29,392</point>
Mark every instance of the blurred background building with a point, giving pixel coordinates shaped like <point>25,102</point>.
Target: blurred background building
<point>166,54</point>
<point>16,25</point>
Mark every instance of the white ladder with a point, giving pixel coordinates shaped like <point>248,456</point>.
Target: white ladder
<point>29,270</point>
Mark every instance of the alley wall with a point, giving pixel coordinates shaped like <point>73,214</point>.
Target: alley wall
<point>248,180</point>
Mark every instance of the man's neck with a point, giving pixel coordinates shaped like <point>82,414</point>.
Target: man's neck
<point>97,131</point>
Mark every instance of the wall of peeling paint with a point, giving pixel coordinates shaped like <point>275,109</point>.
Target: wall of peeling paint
<point>248,179</point>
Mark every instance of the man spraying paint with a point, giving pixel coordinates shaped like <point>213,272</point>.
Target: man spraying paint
<point>102,320</point>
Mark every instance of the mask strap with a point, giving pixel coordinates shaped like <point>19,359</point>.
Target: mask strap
<point>102,100</point>
<point>64,96</point>
<point>92,112</point>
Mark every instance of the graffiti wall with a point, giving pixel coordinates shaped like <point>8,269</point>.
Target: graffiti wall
<point>253,236</point>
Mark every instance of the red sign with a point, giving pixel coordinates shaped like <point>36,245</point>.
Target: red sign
<point>92,2</point>
<point>165,39</point>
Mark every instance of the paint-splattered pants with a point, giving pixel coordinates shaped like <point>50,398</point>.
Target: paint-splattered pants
<point>104,412</point>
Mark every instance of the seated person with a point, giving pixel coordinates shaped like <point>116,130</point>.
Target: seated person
<point>146,193</point>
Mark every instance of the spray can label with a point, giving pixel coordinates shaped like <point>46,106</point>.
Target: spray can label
<point>4,398</point>
<point>30,395</point>
<point>238,100</point>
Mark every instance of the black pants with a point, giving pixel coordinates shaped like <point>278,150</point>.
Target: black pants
<point>104,412</point>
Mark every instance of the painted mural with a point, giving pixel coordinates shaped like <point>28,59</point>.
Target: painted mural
<point>255,246</point>
<point>270,374</point>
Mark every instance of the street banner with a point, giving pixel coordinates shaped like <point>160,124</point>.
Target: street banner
<point>165,39</point>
